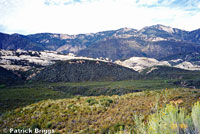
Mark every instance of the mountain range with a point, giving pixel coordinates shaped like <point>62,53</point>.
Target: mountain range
<point>107,82</point>
<point>49,66</point>
<point>157,41</point>
<point>122,54</point>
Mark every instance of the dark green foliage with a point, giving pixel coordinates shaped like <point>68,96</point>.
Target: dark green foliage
<point>49,125</point>
<point>118,127</point>
<point>188,83</point>
<point>112,129</point>
<point>22,95</point>
<point>85,70</point>
<point>166,72</point>
<point>8,77</point>
<point>16,96</point>
<point>35,125</point>
<point>92,101</point>
<point>2,86</point>
<point>106,102</point>
<point>95,90</point>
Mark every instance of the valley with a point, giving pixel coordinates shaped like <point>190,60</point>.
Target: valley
<point>112,82</point>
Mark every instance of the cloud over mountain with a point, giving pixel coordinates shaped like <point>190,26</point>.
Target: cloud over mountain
<point>86,16</point>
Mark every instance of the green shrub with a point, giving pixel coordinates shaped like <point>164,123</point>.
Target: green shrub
<point>139,126</point>
<point>118,127</point>
<point>169,120</point>
<point>106,102</point>
<point>92,101</point>
<point>48,125</point>
<point>35,125</point>
<point>2,86</point>
<point>196,116</point>
<point>104,130</point>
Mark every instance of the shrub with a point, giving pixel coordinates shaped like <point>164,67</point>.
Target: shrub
<point>118,127</point>
<point>48,125</point>
<point>35,125</point>
<point>196,116</point>
<point>105,130</point>
<point>92,101</point>
<point>106,102</point>
<point>2,86</point>
<point>169,120</point>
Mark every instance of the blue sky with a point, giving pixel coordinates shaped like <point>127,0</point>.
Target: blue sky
<point>86,16</point>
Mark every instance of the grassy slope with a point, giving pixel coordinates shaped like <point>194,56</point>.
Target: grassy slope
<point>16,96</point>
<point>13,97</point>
<point>95,114</point>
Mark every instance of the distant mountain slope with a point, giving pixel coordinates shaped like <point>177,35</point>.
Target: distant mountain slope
<point>157,41</point>
<point>84,70</point>
<point>194,36</point>
<point>125,48</point>
<point>23,60</point>
<point>7,77</point>
<point>164,32</point>
<point>192,57</point>
<point>15,41</point>
<point>51,66</point>
<point>113,49</point>
<point>167,72</point>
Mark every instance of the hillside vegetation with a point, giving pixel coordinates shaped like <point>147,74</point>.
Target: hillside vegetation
<point>12,97</point>
<point>126,89</point>
<point>84,70</point>
<point>110,114</point>
<point>8,77</point>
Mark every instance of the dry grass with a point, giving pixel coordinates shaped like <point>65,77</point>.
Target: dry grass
<point>99,114</point>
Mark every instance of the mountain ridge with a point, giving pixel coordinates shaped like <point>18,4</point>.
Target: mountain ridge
<point>77,70</point>
<point>157,41</point>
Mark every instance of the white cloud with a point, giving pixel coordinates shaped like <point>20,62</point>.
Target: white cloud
<point>33,16</point>
<point>148,2</point>
<point>168,2</point>
<point>188,22</point>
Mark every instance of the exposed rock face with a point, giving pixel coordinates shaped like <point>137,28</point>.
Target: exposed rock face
<point>141,63</point>
<point>51,66</point>
<point>24,60</point>
<point>188,66</point>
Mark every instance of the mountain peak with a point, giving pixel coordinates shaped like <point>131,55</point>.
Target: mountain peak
<point>161,27</point>
<point>165,28</point>
<point>125,29</point>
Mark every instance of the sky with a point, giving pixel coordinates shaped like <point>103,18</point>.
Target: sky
<point>90,16</point>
